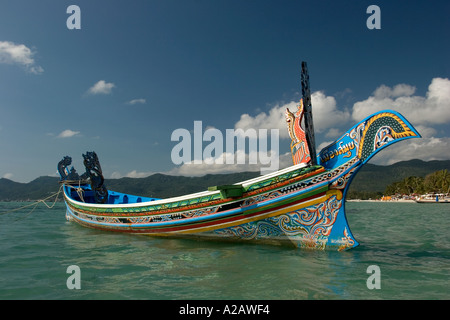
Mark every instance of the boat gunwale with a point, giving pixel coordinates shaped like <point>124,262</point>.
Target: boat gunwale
<point>201,194</point>
<point>215,203</point>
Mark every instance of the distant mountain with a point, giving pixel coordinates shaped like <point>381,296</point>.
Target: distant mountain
<point>375,178</point>
<point>163,186</point>
<point>371,178</point>
<point>39,188</point>
<point>157,185</point>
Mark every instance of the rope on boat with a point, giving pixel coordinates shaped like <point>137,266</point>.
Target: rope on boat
<point>35,204</point>
<point>79,190</point>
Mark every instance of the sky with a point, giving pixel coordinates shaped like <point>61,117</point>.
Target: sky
<point>136,71</point>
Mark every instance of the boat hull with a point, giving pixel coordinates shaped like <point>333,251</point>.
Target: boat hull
<point>303,206</point>
<point>300,211</point>
<point>321,225</point>
<point>433,201</point>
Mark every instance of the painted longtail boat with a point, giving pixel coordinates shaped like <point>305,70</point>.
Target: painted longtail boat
<point>302,205</point>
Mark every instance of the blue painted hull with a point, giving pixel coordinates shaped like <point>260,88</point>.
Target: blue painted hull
<point>303,206</point>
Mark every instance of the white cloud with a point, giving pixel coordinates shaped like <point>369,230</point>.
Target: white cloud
<point>136,174</point>
<point>422,112</point>
<point>334,133</point>
<point>101,87</point>
<point>397,91</point>
<point>425,149</point>
<point>273,162</point>
<point>8,176</point>
<point>12,53</point>
<point>131,174</point>
<point>426,132</point>
<point>116,175</point>
<point>191,170</point>
<point>68,133</point>
<point>325,116</point>
<point>137,101</point>
<point>434,108</point>
<point>275,119</point>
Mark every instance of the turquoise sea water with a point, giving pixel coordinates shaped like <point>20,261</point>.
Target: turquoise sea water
<point>409,242</point>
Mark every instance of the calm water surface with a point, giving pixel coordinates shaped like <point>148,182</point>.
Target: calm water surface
<point>409,242</point>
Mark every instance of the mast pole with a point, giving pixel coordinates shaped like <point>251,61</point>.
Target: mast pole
<point>309,126</point>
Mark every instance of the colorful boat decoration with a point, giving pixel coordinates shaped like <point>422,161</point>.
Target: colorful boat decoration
<point>302,205</point>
